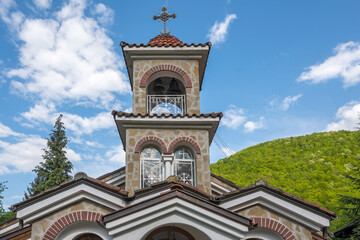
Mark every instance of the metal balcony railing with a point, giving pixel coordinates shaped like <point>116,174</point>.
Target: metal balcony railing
<point>167,104</point>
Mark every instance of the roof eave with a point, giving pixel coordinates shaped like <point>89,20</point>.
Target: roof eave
<point>199,52</point>
<point>124,122</point>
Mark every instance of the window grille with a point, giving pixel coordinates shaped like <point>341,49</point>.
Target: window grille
<point>166,104</point>
<point>184,166</point>
<point>151,166</point>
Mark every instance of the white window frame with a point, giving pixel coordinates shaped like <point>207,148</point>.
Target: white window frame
<point>143,159</point>
<point>167,164</point>
<point>191,161</point>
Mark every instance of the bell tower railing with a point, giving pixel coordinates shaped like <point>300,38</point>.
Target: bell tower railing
<point>166,104</point>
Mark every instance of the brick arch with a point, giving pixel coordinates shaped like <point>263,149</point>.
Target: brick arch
<point>276,226</point>
<point>65,221</point>
<point>167,67</point>
<point>150,138</point>
<point>184,139</point>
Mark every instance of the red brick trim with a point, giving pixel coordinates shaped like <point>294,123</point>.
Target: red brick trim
<point>65,221</point>
<point>171,68</point>
<point>276,226</point>
<point>150,138</point>
<point>184,139</point>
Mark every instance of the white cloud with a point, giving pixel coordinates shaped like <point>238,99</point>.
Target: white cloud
<point>233,117</point>
<point>84,125</point>
<point>344,64</point>
<point>42,4</point>
<point>285,103</point>
<point>77,124</point>
<point>68,57</point>
<point>5,131</point>
<point>22,156</point>
<point>94,144</point>
<point>25,154</point>
<point>100,164</point>
<point>11,17</point>
<point>41,113</point>
<point>227,151</point>
<point>103,14</point>
<point>348,118</point>
<point>116,154</point>
<point>251,126</point>
<point>218,32</point>
<point>72,155</point>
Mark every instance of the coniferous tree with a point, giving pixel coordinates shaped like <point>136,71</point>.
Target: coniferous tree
<point>351,204</point>
<point>2,188</point>
<point>4,215</point>
<point>56,168</point>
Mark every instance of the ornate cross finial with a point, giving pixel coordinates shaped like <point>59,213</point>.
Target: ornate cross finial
<point>164,17</point>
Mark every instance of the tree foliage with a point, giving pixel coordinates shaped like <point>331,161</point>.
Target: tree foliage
<point>56,168</point>
<point>4,215</point>
<point>2,189</point>
<point>351,202</point>
<point>312,167</point>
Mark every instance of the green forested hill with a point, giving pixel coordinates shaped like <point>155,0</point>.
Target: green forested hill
<point>311,167</point>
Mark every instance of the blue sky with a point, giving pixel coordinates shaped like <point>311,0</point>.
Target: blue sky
<point>276,69</point>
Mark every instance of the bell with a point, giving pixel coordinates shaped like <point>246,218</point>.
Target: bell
<point>158,87</point>
<point>174,87</point>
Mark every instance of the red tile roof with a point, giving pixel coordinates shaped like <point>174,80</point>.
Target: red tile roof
<point>165,40</point>
<point>85,178</point>
<point>202,115</point>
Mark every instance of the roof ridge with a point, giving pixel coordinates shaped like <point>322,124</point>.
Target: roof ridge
<point>264,184</point>
<point>67,183</point>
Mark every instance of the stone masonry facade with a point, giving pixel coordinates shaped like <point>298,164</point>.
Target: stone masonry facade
<point>163,138</point>
<point>267,219</point>
<point>51,225</point>
<point>185,69</point>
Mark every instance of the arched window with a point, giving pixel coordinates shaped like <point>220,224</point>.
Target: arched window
<point>151,166</point>
<point>88,236</point>
<point>169,233</point>
<point>184,165</point>
<point>166,95</point>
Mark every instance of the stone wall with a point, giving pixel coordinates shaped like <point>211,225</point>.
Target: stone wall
<point>40,227</point>
<point>298,231</point>
<point>201,137</point>
<point>191,67</point>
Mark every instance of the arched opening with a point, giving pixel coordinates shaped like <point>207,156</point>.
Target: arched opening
<point>169,233</point>
<point>83,230</point>
<point>88,236</point>
<point>151,166</point>
<point>184,165</point>
<point>166,95</point>
<point>263,234</point>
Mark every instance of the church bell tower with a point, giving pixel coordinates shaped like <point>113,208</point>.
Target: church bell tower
<point>166,135</point>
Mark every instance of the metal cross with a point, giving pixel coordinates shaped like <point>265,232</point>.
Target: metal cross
<point>164,17</point>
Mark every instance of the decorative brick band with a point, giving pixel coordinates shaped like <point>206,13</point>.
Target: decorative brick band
<point>171,68</point>
<point>278,227</point>
<point>184,139</point>
<point>65,221</point>
<point>153,139</point>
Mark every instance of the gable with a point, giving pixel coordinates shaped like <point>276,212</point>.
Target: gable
<point>176,206</point>
<point>305,214</point>
<point>62,197</point>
